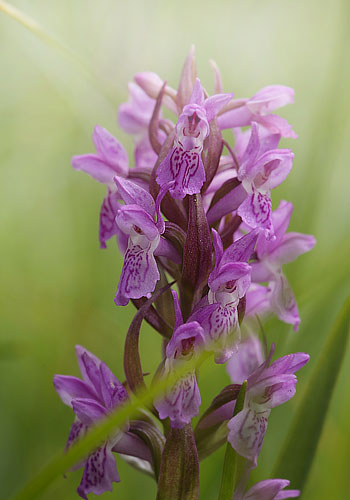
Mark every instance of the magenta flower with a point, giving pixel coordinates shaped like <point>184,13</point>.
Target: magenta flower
<point>92,398</point>
<point>109,160</point>
<point>181,402</point>
<point>270,489</point>
<point>228,283</point>
<point>183,164</point>
<point>243,112</point>
<point>262,168</point>
<point>136,219</point>
<point>272,255</point>
<point>268,387</point>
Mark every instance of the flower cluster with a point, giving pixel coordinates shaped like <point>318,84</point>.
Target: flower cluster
<point>195,210</point>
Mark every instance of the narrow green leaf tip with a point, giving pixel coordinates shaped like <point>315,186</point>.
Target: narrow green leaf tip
<point>300,447</point>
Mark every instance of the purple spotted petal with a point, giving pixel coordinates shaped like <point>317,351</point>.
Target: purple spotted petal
<point>280,219</point>
<point>100,472</point>
<point>245,360</point>
<point>88,411</point>
<point>247,431</point>
<point>256,212</point>
<point>270,489</point>
<point>69,388</point>
<point>139,275</point>
<point>110,150</point>
<point>133,194</point>
<point>77,431</point>
<point>220,325</point>
<point>108,226</point>
<point>180,403</point>
<point>185,168</point>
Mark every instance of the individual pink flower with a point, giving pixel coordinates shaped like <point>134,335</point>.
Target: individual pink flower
<point>109,160</point>
<point>267,387</point>
<point>262,168</point>
<point>228,283</point>
<point>92,398</point>
<point>136,219</point>
<point>259,109</point>
<point>272,254</point>
<point>181,402</point>
<point>183,164</point>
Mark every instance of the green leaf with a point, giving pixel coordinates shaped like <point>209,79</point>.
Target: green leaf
<point>299,449</point>
<point>230,471</point>
<point>179,470</point>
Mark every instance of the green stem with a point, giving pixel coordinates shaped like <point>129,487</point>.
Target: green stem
<point>233,462</point>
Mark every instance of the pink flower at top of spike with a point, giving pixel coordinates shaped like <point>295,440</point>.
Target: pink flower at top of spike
<point>183,164</point>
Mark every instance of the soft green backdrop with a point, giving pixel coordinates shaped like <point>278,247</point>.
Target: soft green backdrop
<point>57,286</point>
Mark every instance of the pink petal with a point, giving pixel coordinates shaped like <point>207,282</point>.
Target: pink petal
<point>110,150</point>
<point>93,165</point>
<point>270,98</point>
<point>215,103</point>
<point>69,388</point>
<point>247,431</point>
<point>100,472</point>
<point>133,194</point>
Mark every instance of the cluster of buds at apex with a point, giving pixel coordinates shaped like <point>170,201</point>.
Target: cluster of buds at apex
<point>193,213</point>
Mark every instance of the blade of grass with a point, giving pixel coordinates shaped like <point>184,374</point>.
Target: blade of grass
<point>298,452</point>
<point>34,27</point>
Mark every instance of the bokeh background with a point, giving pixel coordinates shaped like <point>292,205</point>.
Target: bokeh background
<point>57,286</point>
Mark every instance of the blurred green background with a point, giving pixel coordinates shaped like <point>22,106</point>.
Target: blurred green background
<point>57,286</point>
